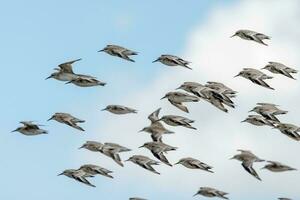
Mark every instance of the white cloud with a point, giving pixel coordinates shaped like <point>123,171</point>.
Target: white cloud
<point>218,57</point>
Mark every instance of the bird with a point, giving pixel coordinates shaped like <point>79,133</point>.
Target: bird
<point>216,97</point>
<point>158,149</point>
<point>211,192</point>
<point>193,163</point>
<point>67,119</point>
<point>94,170</point>
<point>136,198</point>
<point>177,98</point>
<point>78,175</point>
<point>30,129</point>
<point>111,150</point>
<point>289,130</point>
<point>221,88</point>
<point>119,110</point>
<point>248,158</point>
<point>268,111</point>
<point>275,166</point>
<point>279,68</point>
<point>64,71</point>
<point>258,120</point>
<point>255,76</point>
<point>175,120</point>
<point>282,198</point>
<point>86,81</point>
<point>121,52</point>
<point>171,60</point>
<point>156,128</point>
<point>144,162</point>
<point>252,35</point>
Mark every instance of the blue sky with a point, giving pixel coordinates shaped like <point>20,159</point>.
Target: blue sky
<point>36,36</point>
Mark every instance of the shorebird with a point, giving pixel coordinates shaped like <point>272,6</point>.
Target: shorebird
<point>221,88</point>
<point>144,162</point>
<point>171,60</point>
<point>255,76</point>
<point>177,98</point>
<point>111,150</point>
<point>30,129</point>
<point>78,175</point>
<point>86,81</point>
<point>64,72</point>
<point>248,158</point>
<point>94,170</point>
<point>67,119</point>
<point>284,198</point>
<point>215,97</point>
<point>136,198</point>
<point>193,163</point>
<point>175,120</point>
<point>289,130</point>
<point>268,111</point>
<point>156,129</point>
<point>158,149</point>
<point>258,120</point>
<point>252,35</point>
<point>211,192</point>
<point>119,51</point>
<point>278,68</point>
<point>119,110</point>
<point>274,166</point>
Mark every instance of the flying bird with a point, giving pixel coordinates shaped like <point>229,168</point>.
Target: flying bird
<point>259,120</point>
<point>275,166</point>
<point>255,76</point>
<point>78,175</point>
<point>211,192</point>
<point>144,162</point>
<point>30,129</point>
<point>158,149</point>
<point>136,198</point>
<point>95,169</point>
<point>68,119</point>
<point>86,81</point>
<point>248,158</point>
<point>269,111</point>
<point>111,150</point>
<point>193,163</point>
<point>64,72</point>
<point>171,60</point>
<point>121,52</point>
<point>177,98</point>
<point>119,110</point>
<point>156,128</point>
<point>278,68</point>
<point>175,120</point>
<point>290,130</point>
<point>252,35</point>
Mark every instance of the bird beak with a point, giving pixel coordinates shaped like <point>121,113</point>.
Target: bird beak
<point>14,131</point>
<point>195,194</point>
<point>81,147</point>
<point>50,119</point>
<point>104,109</point>
<point>178,88</point>
<point>233,35</point>
<point>231,158</point>
<point>127,160</point>
<point>48,77</point>
<point>243,121</point>
<point>163,97</point>
<point>60,174</point>
<point>177,163</point>
<point>141,130</point>
<point>155,61</point>
<point>68,82</point>
<point>141,146</point>
<point>250,111</point>
<point>263,167</point>
<point>101,50</point>
<point>236,75</point>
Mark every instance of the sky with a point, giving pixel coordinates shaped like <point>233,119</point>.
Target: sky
<point>37,36</point>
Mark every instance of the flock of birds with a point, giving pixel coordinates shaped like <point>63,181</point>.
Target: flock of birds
<point>215,93</point>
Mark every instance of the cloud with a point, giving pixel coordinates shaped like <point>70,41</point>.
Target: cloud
<point>217,57</point>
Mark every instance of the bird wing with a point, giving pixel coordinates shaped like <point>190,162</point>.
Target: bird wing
<point>147,166</point>
<point>260,82</point>
<point>67,66</point>
<point>180,106</point>
<point>160,156</point>
<point>153,117</point>
<point>249,168</point>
